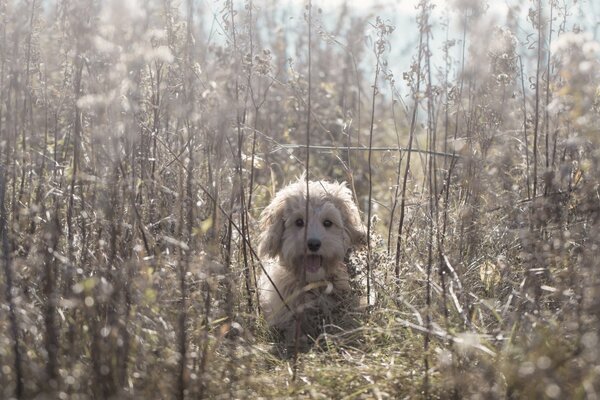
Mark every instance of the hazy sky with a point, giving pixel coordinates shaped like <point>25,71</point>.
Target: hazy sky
<point>402,14</point>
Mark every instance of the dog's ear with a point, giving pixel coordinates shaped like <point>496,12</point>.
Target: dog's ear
<point>351,216</point>
<point>271,225</point>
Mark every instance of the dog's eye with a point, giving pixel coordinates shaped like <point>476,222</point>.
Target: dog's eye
<point>299,222</point>
<point>327,223</point>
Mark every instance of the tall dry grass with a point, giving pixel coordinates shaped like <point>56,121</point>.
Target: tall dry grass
<point>139,142</point>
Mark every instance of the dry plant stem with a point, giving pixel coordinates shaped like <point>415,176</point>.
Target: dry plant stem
<point>442,267</point>
<point>182,319</point>
<point>432,197</point>
<point>252,251</point>
<point>186,213</point>
<point>205,337</point>
<point>536,117</point>
<point>229,282</point>
<point>250,94</point>
<point>525,136</point>
<point>127,273</point>
<point>8,290</point>
<point>459,103</point>
<point>255,124</point>
<point>42,169</point>
<point>447,66</point>
<point>51,331</point>
<point>110,271</point>
<point>240,132</point>
<point>469,117</point>
<point>75,165</point>
<point>77,132</point>
<point>252,159</point>
<point>446,187</point>
<point>413,124</point>
<point>459,107</point>
<point>227,261</point>
<point>156,104</point>
<point>443,270</point>
<point>189,203</point>
<point>358,112</point>
<point>27,106</point>
<point>370,169</point>
<point>249,206</point>
<point>397,190</point>
<point>228,217</point>
<point>299,314</point>
<point>533,279</point>
<point>11,145</point>
<point>546,110</point>
<point>257,107</point>
<point>3,58</point>
<point>461,74</point>
<point>245,231</point>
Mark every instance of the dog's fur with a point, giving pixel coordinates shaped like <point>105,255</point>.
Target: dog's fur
<point>312,282</point>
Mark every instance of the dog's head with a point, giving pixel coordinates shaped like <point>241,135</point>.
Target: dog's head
<point>315,242</point>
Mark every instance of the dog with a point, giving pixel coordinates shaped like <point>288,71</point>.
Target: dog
<point>306,283</point>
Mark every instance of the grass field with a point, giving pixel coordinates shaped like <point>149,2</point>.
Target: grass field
<point>140,141</point>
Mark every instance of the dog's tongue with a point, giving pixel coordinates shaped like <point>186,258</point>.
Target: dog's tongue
<point>313,263</point>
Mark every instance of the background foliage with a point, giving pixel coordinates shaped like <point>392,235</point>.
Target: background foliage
<point>139,142</point>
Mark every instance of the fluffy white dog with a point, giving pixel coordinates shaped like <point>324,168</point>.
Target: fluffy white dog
<point>307,281</point>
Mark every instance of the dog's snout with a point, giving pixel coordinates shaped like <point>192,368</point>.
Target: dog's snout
<point>314,244</point>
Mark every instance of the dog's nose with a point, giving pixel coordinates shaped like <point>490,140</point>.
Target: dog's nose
<point>313,244</point>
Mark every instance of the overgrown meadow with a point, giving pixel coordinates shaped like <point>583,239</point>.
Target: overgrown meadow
<point>139,142</point>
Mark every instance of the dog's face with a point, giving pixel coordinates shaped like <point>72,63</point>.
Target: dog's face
<point>314,243</point>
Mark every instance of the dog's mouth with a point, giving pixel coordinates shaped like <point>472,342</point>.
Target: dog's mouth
<point>313,263</point>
